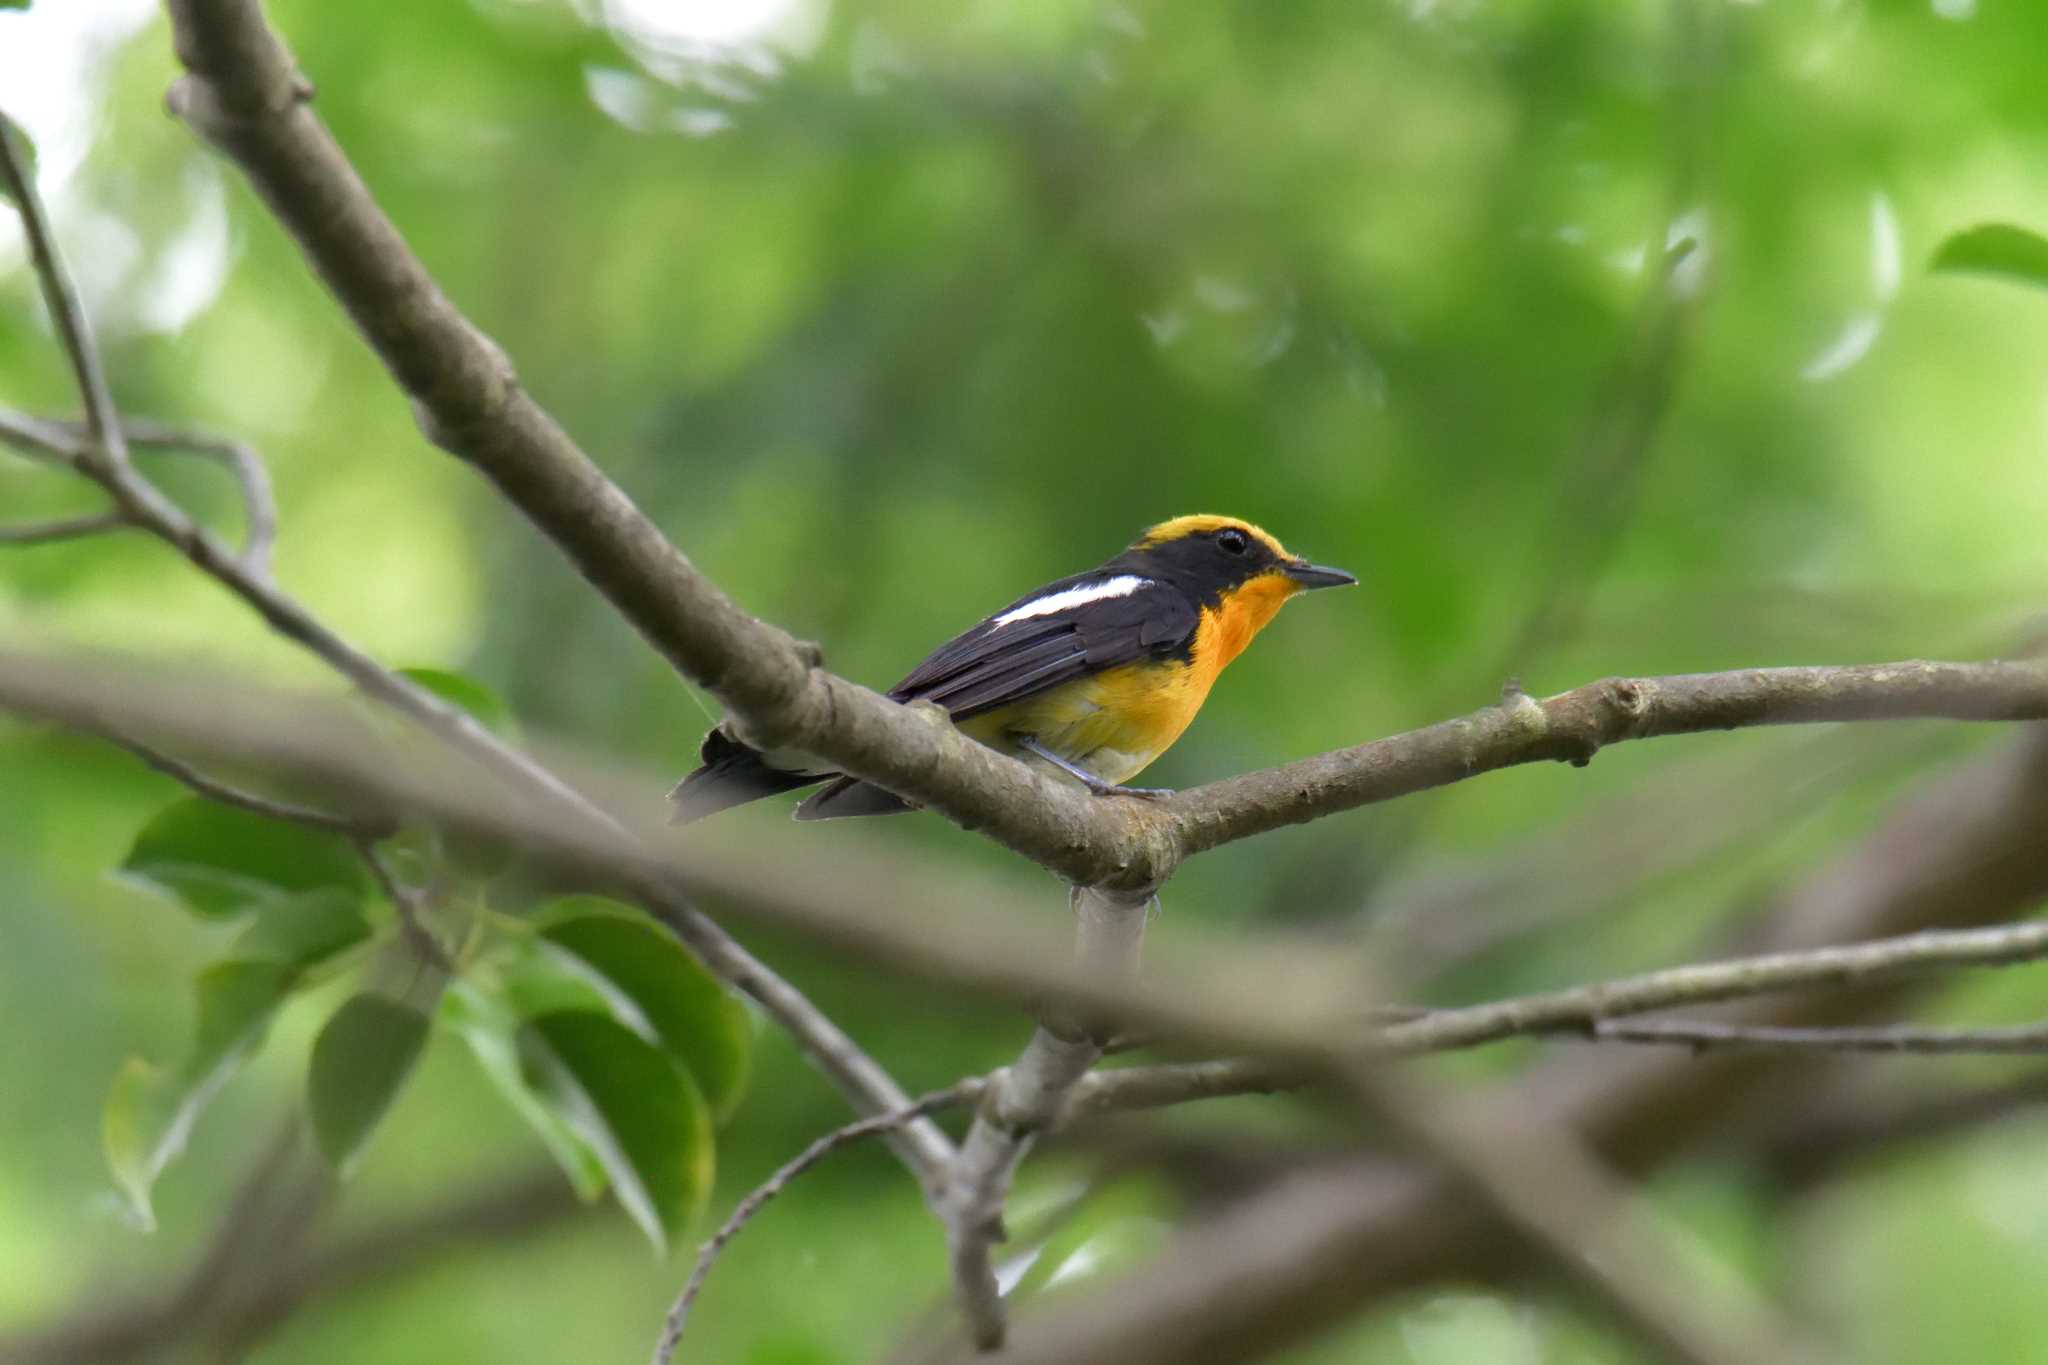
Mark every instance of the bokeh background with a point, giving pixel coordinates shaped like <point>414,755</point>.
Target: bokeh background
<point>1594,338</point>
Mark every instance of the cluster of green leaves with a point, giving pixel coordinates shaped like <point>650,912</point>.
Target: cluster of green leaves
<point>605,1035</point>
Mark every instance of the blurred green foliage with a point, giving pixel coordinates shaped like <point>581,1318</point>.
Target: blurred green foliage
<point>907,310</point>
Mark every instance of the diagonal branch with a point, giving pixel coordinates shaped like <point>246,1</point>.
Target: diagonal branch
<point>67,315</point>
<point>348,826</point>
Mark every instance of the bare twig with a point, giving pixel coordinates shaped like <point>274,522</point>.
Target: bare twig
<point>1592,1008</point>
<point>348,826</point>
<point>67,315</point>
<point>68,528</point>
<point>1703,1035</point>
<point>679,1314</point>
<point>252,478</point>
<point>44,442</point>
<point>70,444</point>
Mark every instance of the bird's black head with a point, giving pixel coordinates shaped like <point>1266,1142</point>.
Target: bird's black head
<point>1211,557</point>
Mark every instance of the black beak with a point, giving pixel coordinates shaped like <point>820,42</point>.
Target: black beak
<point>1317,575</point>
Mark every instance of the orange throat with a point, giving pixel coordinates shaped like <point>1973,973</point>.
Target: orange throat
<point>1244,613</point>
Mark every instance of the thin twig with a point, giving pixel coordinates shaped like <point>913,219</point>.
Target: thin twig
<point>69,444</point>
<point>252,478</point>
<point>67,314</point>
<point>44,442</point>
<point>1585,1008</point>
<point>409,904</point>
<point>348,826</point>
<point>966,1092</point>
<point>1706,1035</point>
<point>69,528</point>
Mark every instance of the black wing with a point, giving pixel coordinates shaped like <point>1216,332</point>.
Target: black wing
<point>998,663</point>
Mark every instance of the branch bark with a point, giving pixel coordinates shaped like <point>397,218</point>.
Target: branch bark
<point>1024,1100</point>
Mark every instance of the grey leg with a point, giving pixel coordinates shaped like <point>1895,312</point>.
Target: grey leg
<point>1087,779</point>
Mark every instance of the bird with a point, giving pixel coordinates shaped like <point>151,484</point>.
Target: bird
<point>1090,677</point>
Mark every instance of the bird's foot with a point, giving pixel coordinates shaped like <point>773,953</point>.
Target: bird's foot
<point>1148,793</point>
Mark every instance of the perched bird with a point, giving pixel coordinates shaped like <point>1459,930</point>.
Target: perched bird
<point>1093,676</point>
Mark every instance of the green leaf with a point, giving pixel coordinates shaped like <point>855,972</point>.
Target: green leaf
<point>491,1030</point>
<point>458,689</point>
<point>361,1058</point>
<point>637,1109</point>
<point>220,861</point>
<point>150,1111</point>
<point>1997,249</point>
<point>302,930</point>
<point>655,986</point>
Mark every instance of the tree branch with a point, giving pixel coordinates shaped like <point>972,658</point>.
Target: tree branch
<point>1707,1035</point>
<point>348,826</point>
<point>1574,726</point>
<point>743,1212</point>
<point>67,528</point>
<point>1025,1099</point>
<point>67,315</point>
<point>1591,1009</point>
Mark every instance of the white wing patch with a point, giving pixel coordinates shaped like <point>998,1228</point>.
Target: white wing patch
<point>1123,585</point>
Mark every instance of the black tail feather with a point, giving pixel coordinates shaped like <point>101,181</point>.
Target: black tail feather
<point>732,775</point>
<point>851,796</point>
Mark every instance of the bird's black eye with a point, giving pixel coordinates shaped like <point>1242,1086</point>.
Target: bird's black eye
<point>1233,541</point>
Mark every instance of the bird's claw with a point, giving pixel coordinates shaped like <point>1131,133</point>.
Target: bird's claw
<point>1145,793</point>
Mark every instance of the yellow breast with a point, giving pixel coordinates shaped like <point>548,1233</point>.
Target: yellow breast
<point>1115,723</point>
